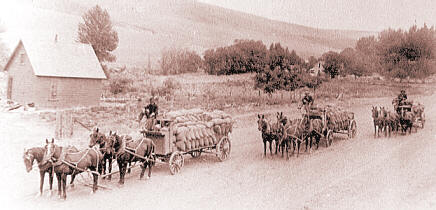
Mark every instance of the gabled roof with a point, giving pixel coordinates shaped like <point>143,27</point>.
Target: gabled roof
<point>60,59</point>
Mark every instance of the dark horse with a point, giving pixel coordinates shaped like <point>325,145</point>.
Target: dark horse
<point>141,150</point>
<point>406,121</point>
<point>37,153</point>
<point>269,131</point>
<point>68,163</point>
<point>108,154</point>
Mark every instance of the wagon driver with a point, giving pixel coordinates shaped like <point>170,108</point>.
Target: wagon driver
<point>402,97</point>
<point>150,112</point>
<point>307,102</point>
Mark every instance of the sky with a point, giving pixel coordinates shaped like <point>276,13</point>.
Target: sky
<point>366,15</point>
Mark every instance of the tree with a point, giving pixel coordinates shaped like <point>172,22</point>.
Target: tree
<point>332,63</point>
<point>97,30</point>
<point>178,61</point>
<point>407,53</point>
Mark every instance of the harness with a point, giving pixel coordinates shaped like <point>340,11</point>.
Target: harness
<point>74,165</point>
<point>126,149</point>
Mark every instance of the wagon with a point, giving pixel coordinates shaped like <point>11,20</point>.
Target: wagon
<point>349,128</point>
<point>417,112</point>
<point>167,152</point>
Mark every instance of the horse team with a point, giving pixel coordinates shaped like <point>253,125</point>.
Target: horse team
<point>287,133</point>
<point>64,161</point>
<point>401,120</point>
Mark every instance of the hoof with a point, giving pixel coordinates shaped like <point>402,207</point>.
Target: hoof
<point>147,178</point>
<point>92,192</point>
<point>50,193</point>
<point>38,195</point>
<point>72,186</point>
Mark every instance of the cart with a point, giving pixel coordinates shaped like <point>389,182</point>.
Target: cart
<point>349,129</point>
<point>166,152</point>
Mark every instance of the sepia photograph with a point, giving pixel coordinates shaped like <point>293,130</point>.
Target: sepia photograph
<point>218,104</point>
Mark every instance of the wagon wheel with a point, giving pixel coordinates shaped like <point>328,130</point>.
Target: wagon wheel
<point>223,148</point>
<point>196,153</point>
<point>352,129</point>
<point>176,162</point>
<point>329,138</point>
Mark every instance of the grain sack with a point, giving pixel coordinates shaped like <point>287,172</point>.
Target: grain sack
<point>214,140</point>
<point>197,143</point>
<point>200,132</point>
<point>189,135</point>
<point>210,132</point>
<point>195,131</point>
<point>188,145</point>
<point>209,124</point>
<point>181,146</point>
<point>204,132</point>
<point>217,129</point>
<point>201,142</point>
<point>206,141</point>
<point>210,140</point>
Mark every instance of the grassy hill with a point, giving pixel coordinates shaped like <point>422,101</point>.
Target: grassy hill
<point>145,27</point>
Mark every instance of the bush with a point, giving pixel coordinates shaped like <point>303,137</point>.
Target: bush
<point>241,57</point>
<point>176,61</point>
<point>119,85</point>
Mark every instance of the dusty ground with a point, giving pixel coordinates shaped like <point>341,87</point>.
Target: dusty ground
<point>360,173</point>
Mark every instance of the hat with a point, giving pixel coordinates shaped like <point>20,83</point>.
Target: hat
<point>403,91</point>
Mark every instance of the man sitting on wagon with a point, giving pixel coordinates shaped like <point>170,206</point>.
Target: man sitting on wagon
<point>402,97</point>
<point>150,112</point>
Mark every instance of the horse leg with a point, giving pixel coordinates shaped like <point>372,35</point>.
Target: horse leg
<point>41,182</point>
<point>277,145</point>
<point>122,171</point>
<point>110,169</point>
<point>150,165</point>
<point>50,181</point>
<point>64,186</point>
<point>287,143</point>
<point>129,164</point>
<point>307,143</point>
<point>102,169</point>
<point>142,170</point>
<point>59,177</point>
<point>95,186</point>
<point>73,176</point>
<point>264,148</point>
<point>270,149</point>
<point>298,149</point>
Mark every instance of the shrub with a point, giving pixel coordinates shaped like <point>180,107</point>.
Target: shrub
<point>119,85</point>
<point>177,61</point>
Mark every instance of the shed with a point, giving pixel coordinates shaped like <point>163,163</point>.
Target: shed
<point>318,69</point>
<point>53,74</point>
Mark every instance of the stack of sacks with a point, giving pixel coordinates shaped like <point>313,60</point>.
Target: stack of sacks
<point>338,119</point>
<point>196,128</point>
<point>418,109</point>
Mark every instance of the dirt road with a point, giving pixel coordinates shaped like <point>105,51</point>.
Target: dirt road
<point>360,173</point>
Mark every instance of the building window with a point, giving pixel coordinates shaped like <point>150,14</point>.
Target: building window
<point>53,90</point>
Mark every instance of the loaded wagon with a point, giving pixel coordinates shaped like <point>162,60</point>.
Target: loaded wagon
<point>415,111</point>
<point>335,121</point>
<point>193,134</point>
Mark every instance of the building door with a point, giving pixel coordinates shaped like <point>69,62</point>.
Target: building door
<point>9,90</point>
